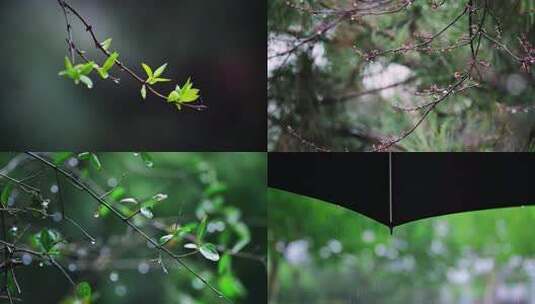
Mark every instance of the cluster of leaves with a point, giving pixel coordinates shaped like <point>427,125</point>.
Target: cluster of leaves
<point>217,234</point>
<point>179,96</point>
<point>80,74</point>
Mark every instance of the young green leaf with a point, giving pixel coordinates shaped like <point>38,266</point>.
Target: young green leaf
<point>244,236</point>
<point>147,69</point>
<point>68,64</point>
<point>47,239</point>
<point>201,230</point>
<point>152,81</point>
<point>95,161</point>
<point>83,292</point>
<point>147,159</point>
<point>106,44</point>
<point>173,97</point>
<point>108,64</point>
<point>84,155</point>
<point>159,71</point>
<point>224,265</point>
<point>183,94</point>
<point>87,81</point>
<point>144,92</point>
<point>85,69</point>
<point>209,251</point>
<point>6,192</point>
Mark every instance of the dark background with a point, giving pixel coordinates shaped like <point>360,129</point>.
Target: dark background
<point>220,44</point>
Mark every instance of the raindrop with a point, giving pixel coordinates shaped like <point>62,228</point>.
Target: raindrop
<point>129,200</point>
<point>93,242</point>
<point>54,188</point>
<point>45,203</point>
<point>41,264</point>
<point>57,217</point>
<point>72,267</point>
<point>112,182</point>
<point>120,290</point>
<point>14,229</point>
<point>26,259</point>
<point>149,163</point>
<point>73,162</point>
<point>96,214</point>
<point>143,267</point>
<point>114,276</point>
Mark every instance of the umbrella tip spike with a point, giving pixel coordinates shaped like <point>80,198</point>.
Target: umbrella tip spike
<point>391,230</point>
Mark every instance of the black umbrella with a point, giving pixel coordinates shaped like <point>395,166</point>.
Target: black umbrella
<point>397,188</point>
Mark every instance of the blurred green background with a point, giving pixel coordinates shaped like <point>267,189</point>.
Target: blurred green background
<point>220,44</point>
<point>322,253</point>
<point>227,187</point>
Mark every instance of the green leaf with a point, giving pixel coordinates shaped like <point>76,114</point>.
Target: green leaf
<point>144,92</point>
<point>147,69</point>
<point>95,161</point>
<point>244,236</point>
<point>87,81</point>
<point>230,286</point>
<point>159,71</point>
<point>6,192</point>
<point>103,74</point>
<point>85,69</point>
<point>83,291</point>
<point>201,230</point>
<point>183,94</point>
<point>108,64</point>
<point>147,159</point>
<point>209,251</point>
<point>187,92</point>
<point>60,157</point>
<point>84,155</point>
<point>173,96</point>
<point>68,64</point>
<point>47,239</point>
<point>224,265</point>
<point>106,44</point>
<point>156,80</point>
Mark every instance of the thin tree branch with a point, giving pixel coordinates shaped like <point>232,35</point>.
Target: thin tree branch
<point>118,214</point>
<point>122,66</point>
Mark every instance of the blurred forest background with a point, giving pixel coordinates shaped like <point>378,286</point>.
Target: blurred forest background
<point>120,266</point>
<point>336,81</point>
<point>221,45</point>
<point>322,253</point>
